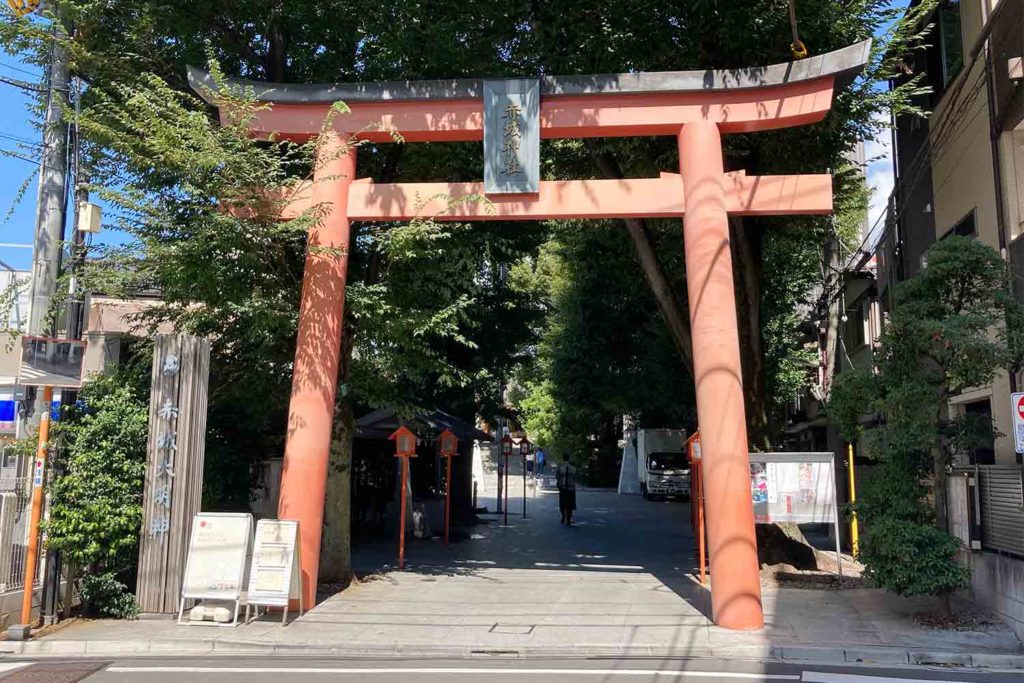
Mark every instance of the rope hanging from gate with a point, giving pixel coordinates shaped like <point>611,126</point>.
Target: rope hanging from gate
<point>797,47</point>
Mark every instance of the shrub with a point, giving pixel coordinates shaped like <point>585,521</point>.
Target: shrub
<point>96,504</point>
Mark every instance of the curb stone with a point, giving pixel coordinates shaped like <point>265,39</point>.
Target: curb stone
<point>877,655</point>
<point>941,658</point>
<point>997,661</point>
<point>223,647</point>
<point>812,653</point>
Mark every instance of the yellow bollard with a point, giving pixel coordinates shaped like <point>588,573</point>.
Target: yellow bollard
<point>854,531</point>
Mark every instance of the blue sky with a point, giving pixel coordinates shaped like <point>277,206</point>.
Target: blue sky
<point>16,124</point>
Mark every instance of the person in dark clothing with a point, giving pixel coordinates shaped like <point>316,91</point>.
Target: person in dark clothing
<point>565,478</point>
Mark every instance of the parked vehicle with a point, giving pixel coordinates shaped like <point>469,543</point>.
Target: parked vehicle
<point>662,463</point>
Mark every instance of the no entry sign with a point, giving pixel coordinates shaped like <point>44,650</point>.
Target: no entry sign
<point>1017,412</point>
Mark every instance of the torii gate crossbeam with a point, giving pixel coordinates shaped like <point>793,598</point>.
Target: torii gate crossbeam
<point>697,107</point>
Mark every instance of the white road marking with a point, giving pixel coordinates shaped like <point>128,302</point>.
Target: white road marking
<point>450,672</point>
<point>822,677</point>
<point>13,666</point>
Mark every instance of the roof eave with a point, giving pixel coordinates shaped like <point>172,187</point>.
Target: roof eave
<point>843,65</point>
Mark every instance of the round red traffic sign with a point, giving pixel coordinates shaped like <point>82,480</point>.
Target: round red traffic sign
<point>1020,407</point>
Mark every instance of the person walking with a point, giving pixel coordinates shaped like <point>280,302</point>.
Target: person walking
<point>565,478</point>
<point>541,457</point>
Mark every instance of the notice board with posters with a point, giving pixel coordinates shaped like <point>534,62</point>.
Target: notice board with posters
<point>275,579</point>
<point>218,558</point>
<point>793,487</point>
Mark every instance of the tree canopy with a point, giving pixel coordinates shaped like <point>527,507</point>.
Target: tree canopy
<point>953,327</point>
<point>591,318</point>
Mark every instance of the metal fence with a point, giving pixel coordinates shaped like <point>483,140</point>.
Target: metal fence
<point>15,509</point>
<point>1001,504</point>
<point>15,497</point>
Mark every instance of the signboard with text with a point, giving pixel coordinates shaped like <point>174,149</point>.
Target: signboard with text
<point>1017,413</point>
<point>218,554</point>
<point>274,578</point>
<point>174,466</point>
<point>793,487</point>
<point>512,136</point>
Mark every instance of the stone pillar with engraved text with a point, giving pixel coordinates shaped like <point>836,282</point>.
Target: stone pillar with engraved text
<point>174,467</point>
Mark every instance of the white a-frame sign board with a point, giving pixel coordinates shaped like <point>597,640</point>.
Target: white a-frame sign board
<point>275,576</point>
<point>218,558</point>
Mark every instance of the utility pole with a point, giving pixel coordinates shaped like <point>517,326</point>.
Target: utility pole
<point>51,208</point>
<point>50,599</point>
<point>51,202</point>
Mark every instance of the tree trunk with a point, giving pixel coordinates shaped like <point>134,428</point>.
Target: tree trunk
<point>940,459</point>
<point>336,547</point>
<point>831,346</point>
<point>676,317</point>
<point>746,257</point>
<point>276,63</point>
<point>945,606</point>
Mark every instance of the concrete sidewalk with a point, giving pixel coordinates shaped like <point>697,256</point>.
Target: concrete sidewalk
<point>617,584</point>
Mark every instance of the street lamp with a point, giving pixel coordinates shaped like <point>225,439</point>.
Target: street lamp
<point>525,448</point>
<point>506,450</point>
<point>405,448</point>
<point>449,445</point>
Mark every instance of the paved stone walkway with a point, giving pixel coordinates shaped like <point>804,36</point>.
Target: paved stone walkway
<point>619,581</point>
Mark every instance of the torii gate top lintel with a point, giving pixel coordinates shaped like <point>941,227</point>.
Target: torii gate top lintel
<point>602,105</point>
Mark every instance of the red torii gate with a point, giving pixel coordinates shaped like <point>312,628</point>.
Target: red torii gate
<point>697,107</point>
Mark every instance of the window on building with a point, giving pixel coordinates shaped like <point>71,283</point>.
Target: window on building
<point>950,40</point>
<point>866,322</point>
<point>854,334</point>
<point>965,227</point>
<point>978,426</point>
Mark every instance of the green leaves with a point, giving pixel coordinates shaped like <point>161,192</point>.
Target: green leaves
<point>950,330</point>
<point>96,505</point>
<point>604,349</point>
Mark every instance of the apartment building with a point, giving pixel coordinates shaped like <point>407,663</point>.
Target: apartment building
<point>960,170</point>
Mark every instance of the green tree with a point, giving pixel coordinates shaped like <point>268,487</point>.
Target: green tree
<point>96,503</point>
<point>236,277</point>
<point>604,350</point>
<point>953,327</point>
<point>284,40</point>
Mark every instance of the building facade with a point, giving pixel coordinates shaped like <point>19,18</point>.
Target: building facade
<point>960,169</point>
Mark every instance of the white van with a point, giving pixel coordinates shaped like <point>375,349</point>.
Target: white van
<point>663,466</point>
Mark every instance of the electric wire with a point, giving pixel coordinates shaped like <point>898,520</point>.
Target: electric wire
<point>5,65</point>
<point>948,131</point>
<point>21,85</point>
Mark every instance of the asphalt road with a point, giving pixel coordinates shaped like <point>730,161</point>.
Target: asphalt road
<point>491,670</point>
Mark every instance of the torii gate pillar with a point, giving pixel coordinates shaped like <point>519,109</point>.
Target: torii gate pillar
<point>315,373</point>
<point>732,547</point>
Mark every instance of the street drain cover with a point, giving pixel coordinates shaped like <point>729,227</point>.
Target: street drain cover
<point>56,672</point>
<point>513,629</point>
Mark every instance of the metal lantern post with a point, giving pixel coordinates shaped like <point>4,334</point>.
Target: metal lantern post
<point>697,499</point>
<point>525,448</point>
<point>506,450</point>
<point>405,448</point>
<point>449,444</point>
